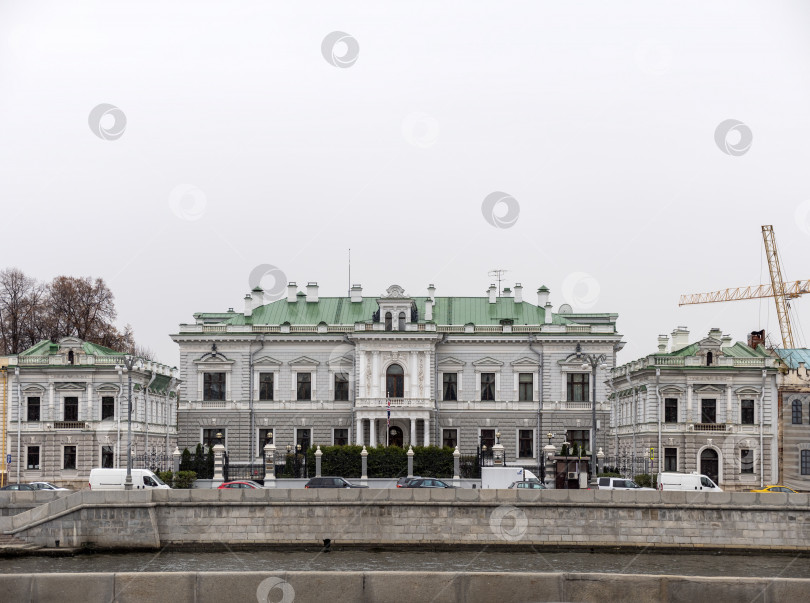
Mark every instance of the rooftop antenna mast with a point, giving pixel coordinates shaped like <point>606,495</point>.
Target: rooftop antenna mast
<point>349,294</point>
<point>498,274</point>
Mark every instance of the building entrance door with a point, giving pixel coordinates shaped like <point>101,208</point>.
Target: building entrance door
<point>395,436</point>
<point>709,464</point>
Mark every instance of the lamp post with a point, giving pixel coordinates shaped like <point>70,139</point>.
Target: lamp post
<point>129,363</point>
<point>592,361</point>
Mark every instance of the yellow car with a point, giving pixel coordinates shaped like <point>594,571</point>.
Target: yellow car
<point>775,489</point>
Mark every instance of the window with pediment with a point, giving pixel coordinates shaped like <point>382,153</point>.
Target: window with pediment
<point>395,381</point>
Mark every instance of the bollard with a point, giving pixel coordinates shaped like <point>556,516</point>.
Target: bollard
<point>318,455</point>
<point>456,464</point>
<point>269,465</point>
<point>176,459</point>
<point>364,457</point>
<point>410,461</point>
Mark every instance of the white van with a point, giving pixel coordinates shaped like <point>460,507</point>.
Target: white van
<point>113,479</point>
<point>686,481</point>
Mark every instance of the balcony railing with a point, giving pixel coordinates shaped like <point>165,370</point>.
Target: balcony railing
<point>69,425</point>
<point>395,403</point>
<point>710,427</point>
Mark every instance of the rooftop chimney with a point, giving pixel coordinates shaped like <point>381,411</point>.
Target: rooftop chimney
<point>547,317</point>
<point>431,291</point>
<point>428,309</point>
<point>493,292</point>
<point>756,338</point>
<point>662,344</point>
<point>715,333</point>
<point>292,290</point>
<point>357,293</point>
<point>542,296</point>
<point>680,338</point>
<point>507,292</point>
<point>248,305</point>
<point>726,341</point>
<point>312,292</point>
<point>518,293</point>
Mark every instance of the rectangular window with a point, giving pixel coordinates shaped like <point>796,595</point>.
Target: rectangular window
<point>107,407</point>
<point>797,412</point>
<point>525,443</point>
<point>487,386</point>
<point>805,462</point>
<point>671,410</point>
<point>341,386</point>
<point>209,437</point>
<point>69,456</point>
<point>747,412</point>
<point>32,457</point>
<point>746,461</point>
<point>670,459</point>
<point>341,437</point>
<point>488,438</point>
<point>71,412</point>
<point>32,409</point>
<point>450,438</point>
<point>303,438</point>
<point>213,386</point>
<point>265,438</point>
<point>107,457</point>
<point>265,386</point>
<point>304,386</point>
<point>449,386</point>
<point>708,410</point>
<point>580,437</point>
<point>526,387</point>
<point>578,390</point>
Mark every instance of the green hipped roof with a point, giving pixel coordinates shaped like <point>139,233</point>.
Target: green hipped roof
<point>46,347</point>
<point>792,357</point>
<point>342,311</point>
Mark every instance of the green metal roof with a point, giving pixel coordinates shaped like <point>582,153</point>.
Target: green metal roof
<point>342,311</point>
<point>738,350</point>
<point>792,357</point>
<point>46,347</point>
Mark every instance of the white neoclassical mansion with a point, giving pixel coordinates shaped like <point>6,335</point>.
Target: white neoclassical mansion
<point>308,370</point>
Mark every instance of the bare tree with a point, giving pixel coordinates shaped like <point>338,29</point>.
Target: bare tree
<point>20,296</point>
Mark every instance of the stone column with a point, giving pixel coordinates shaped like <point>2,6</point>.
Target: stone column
<point>410,461</point>
<point>358,438</point>
<point>375,375</point>
<point>364,459</point>
<point>372,431</point>
<point>89,415</point>
<point>176,459</point>
<point>318,455</point>
<point>426,435</point>
<point>728,404</point>
<point>456,464</point>
<point>413,390</point>
<point>689,417</point>
<point>269,465</point>
<point>219,452</point>
<point>412,439</point>
<point>548,452</point>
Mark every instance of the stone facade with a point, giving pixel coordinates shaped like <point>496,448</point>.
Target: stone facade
<point>709,407</point>
<point>794,416</point>
<point>457,371</point>
<point>67,411</point>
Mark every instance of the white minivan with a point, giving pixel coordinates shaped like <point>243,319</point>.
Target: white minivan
<point>686,481</point>
<point>113,479</point>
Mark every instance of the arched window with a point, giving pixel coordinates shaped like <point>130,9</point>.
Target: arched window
<point>709,464</point>
<point>388,325</point>
<point>395,381</point>
<point>797,412</point>
<point>709,359</point>
<point>402,321</point>
<point>70,357</point>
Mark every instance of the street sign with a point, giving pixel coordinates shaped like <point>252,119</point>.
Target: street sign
<point>8,459</point>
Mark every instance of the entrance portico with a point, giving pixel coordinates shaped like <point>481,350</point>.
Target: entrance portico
<point>406,425</point>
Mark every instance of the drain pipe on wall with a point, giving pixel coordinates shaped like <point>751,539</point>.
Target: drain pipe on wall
<point>540,463</point>
<point>761,432</point>
<point>250,395</point>
<point>120,370</point>
<point>658,395</point>
<point>147,409</point>
<point>355,369</point>
<point>437,387</point>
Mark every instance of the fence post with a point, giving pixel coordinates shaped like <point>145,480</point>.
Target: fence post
<point>410,461</point>
<point>364,458</point>
<point>219,451</point>
<point>456,464</point>
<point>176,459</point>
<point>549,451</point>
<point>318,455</point>
<point>270,465</point>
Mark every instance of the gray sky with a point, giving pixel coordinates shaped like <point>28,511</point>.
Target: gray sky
<point>244,145</point>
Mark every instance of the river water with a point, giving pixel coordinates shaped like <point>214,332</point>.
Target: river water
<point>707,564</point>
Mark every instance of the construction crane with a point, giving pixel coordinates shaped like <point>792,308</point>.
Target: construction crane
<point>780,291</point>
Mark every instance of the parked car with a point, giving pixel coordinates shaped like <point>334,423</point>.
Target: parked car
<point>18,487</point>
<point>777,488</point>
<point>244,484</point>
<point>403,481</point>
<point>331,482</point>
<point>618,483</point>
<point>527,485</point>
<point>690,482</point>
<point>46,486</point>
<point>428,482</point>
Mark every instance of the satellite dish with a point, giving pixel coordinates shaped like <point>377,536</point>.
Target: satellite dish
<point>565,309</point>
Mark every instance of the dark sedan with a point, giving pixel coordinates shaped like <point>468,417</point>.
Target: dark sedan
<point>427,482</point>
<point>331,482</point>
<point>18,487</point>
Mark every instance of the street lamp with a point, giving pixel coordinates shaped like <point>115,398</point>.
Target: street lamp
<point>129,363</point>
<point>592,361</point>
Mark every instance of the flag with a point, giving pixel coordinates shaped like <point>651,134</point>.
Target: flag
<point>388,420</point>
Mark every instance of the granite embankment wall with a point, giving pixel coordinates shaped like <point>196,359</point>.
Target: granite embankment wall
<point>393,517</point>
<point>399,587</point>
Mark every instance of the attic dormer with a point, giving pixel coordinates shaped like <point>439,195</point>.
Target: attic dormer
<point>710,350</point>
<point>395,309</point>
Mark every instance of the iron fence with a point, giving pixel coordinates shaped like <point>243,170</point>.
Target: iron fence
<point>154,461</point>
<point>243,471</point>
<point>629,465</point>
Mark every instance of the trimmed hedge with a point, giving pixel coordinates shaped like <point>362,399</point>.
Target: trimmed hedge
<point>180,479</point>
<point>385,462</point>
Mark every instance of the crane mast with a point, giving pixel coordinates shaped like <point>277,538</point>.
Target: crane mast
<point>778,286</point>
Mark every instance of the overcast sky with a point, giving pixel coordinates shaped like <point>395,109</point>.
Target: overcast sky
<point>171,148</point>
